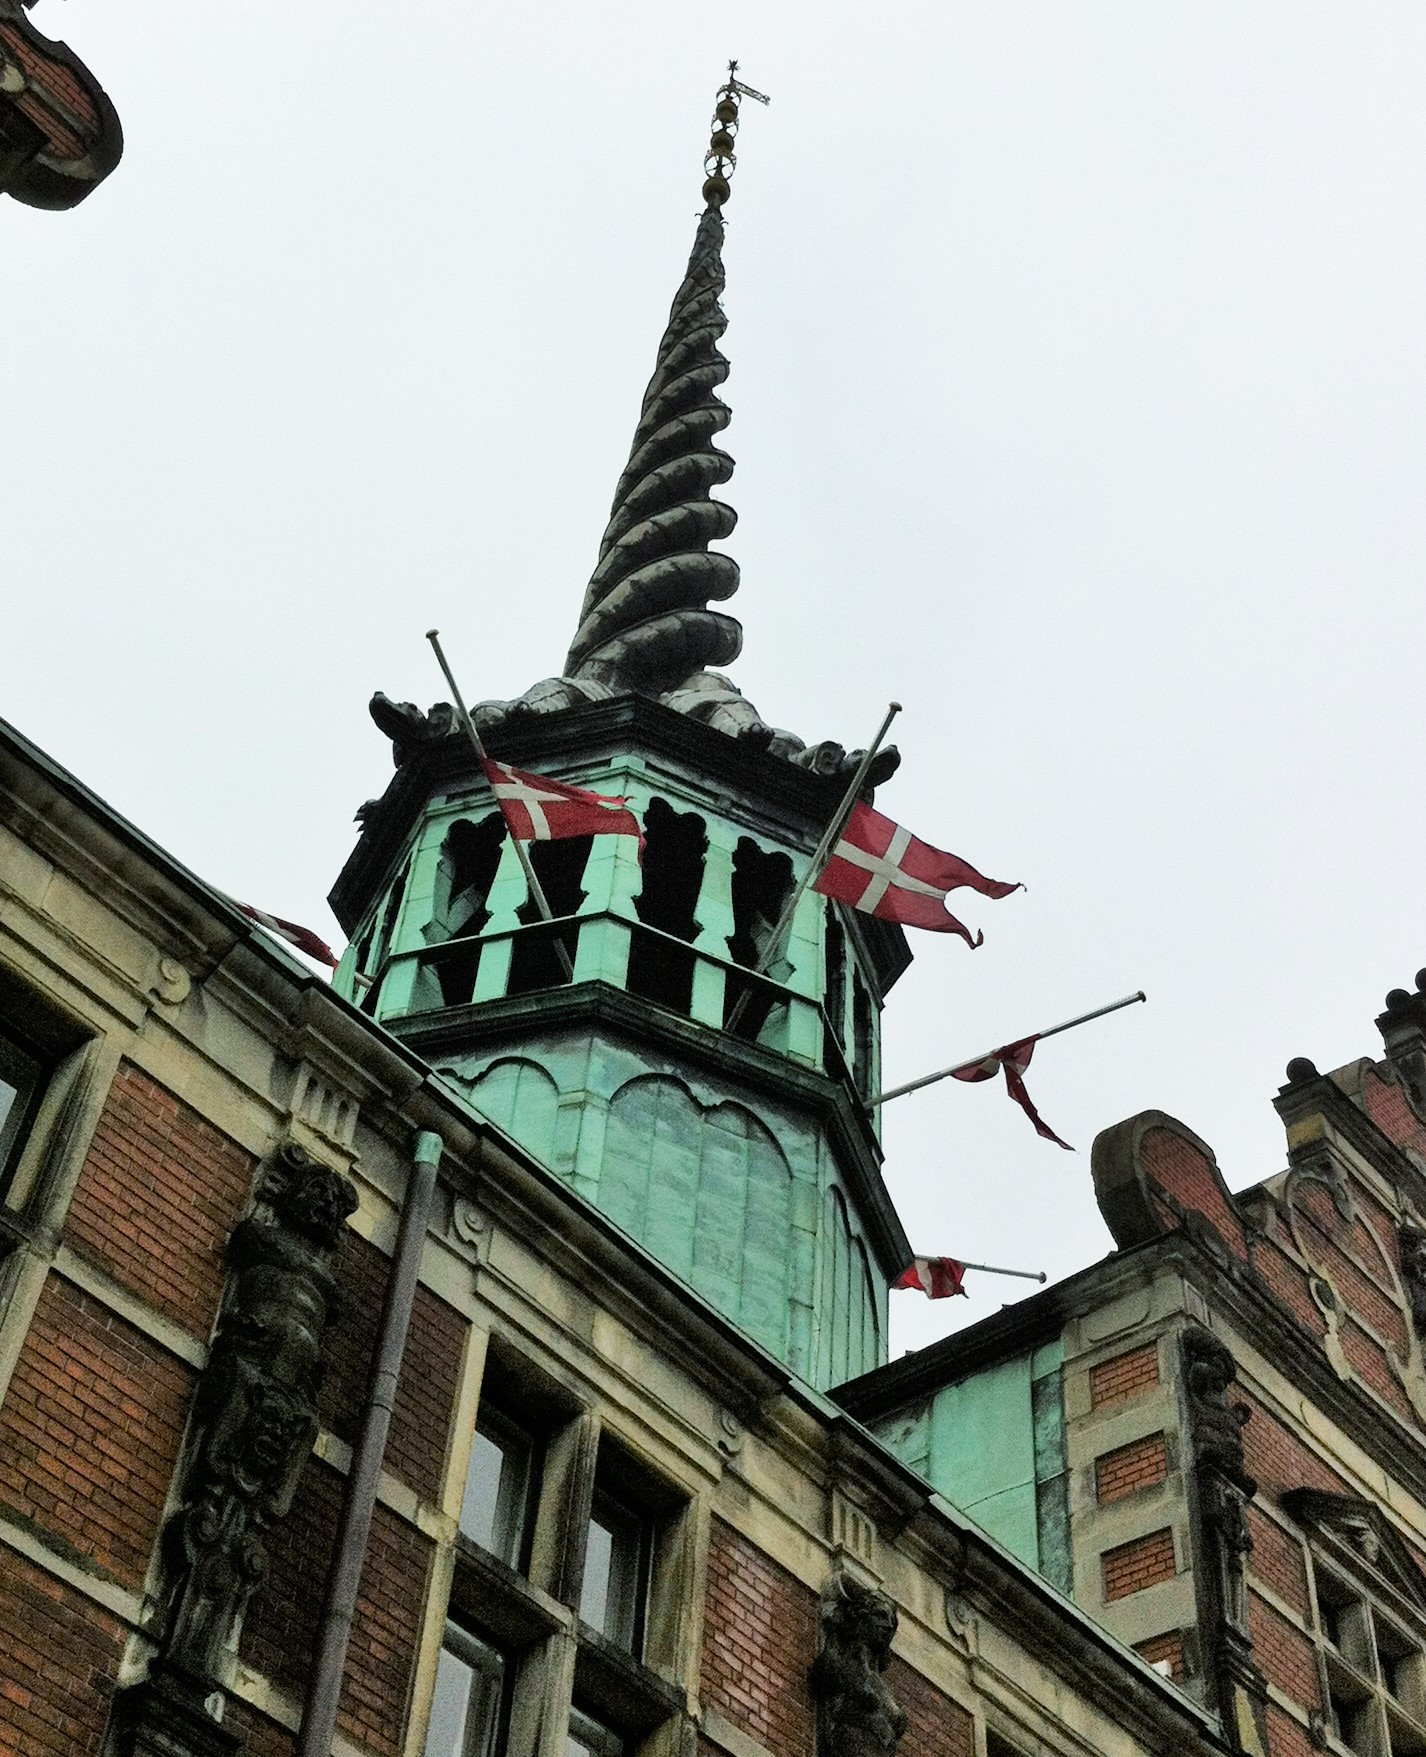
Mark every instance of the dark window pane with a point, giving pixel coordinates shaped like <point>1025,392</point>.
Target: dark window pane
<point>588,1737</point>
<point>497,1487</point>
<point>466,1710</point>
<point>615,1566</point>
<point>20,1076</point>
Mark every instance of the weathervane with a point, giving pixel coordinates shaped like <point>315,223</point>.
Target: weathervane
<point>720,159</point>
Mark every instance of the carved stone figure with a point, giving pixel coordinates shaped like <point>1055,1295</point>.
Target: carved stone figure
<point>1413,1274</point>
<point>1223,1489</point>
<point>255,1414</point>
<point>1217,1425</point>
<point>857,1716</point>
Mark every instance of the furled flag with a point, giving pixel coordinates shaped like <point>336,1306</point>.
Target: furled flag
<point>883,870</point>
<point>1014,1058</point>
<point>937,1277</point>
<point>301,937</point>
<point>537,809</point>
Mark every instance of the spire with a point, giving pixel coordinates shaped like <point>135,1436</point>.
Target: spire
<point>646,624</point>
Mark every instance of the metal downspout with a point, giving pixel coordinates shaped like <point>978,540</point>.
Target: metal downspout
<point>319,1716</point>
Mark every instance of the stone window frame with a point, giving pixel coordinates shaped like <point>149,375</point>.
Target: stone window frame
<point>556,1664</point>
<point>63,1050</point>
<point>1364,1634</point>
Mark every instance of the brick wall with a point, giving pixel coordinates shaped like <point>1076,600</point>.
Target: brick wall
<point>281,1628</point>
<point>936,1726</point>
<point>49,1709</point>
<point>158,1195</point>
<point>1286,1655</point>
<point>425,1394</point>
<point>1126,1375</point>
<point>1127,1469</point>
<point>1132,1566</point>
<point>1276,1559</point>
<point>1159,1648</point>
<point>1278,1459</point>
<point>90,1431</point>
<point>1191,1179</point>
<point>759,1642</point>
<point>1287,1737</point>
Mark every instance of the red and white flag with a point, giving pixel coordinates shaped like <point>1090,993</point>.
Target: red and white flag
<point>1014,1058</point>
<point>537,809</point>
<point>883,870</point>
<point>301,937</point>
<point>937,1277</point>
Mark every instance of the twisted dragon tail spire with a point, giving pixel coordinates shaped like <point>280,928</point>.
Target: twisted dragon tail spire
<point>646,624</point>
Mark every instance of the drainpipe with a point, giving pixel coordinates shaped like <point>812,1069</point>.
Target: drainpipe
<point>319,1715</point>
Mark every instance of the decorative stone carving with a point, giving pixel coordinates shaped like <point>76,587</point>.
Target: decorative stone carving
<point>857,1716</point>
<point>255,1414</point>
<point>1223,1490</point>
<point>1413,1274</point>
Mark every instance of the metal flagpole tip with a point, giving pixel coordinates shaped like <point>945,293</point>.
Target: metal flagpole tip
<point>895,707</point>
<point>432,633</point>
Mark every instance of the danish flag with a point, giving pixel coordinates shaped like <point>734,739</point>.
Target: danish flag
<point>1014,1058</point>
<point>537,809</point>
<point>937,1277</point>
<point>883,870</point>
<point>301,937</point>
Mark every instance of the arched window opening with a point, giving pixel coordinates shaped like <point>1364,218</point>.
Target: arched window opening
<point>863,1039</point>
<point>535,961</point>
<point>382,943</point>
<point>675,844</point>
<point>470,857</point>
<point>834,996</point>
<point>761,882</point>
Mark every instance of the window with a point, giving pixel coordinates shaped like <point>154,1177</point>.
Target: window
<point>1373,1670</point>
<point>495,1511</point>
<point>470,859</point>
<point>617,1554</point>
<point>761,883</point>
<point>588,1737</point>
<point>535,960</point>
<point>566,1542</point>
<point>675,844</point>
<point>469,1709</point>
<point>41,1057</point>
<point>22,1080</point>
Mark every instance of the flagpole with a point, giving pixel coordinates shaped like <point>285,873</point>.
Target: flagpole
<point>537,890</point>
<point>1022,1274</point>
<point>818,861</point>
<point>972,1061</point>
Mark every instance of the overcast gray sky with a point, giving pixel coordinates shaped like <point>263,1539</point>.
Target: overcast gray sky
<point>1077,401</point>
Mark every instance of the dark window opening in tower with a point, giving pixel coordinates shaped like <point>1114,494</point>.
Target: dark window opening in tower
<point>761,882</point>
<point>863,1038</point>
<point>381,944</point>
<point>675,844</point>
<point>470,856</point>
<point>535,960</point>
<point>834,993</point>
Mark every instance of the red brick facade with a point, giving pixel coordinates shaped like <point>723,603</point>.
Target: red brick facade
<point>1130,1567</point>
<point>90,1432</point>
<point>61,1660</point>
<point>159,1193</point>
<point>1139,1465</point>
<point>759,1641</point>
<point>1126,1375</point>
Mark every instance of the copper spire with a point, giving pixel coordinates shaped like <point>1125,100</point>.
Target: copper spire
<point>646,624</point>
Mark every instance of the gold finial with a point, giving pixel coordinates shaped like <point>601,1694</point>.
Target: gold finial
<point>720,158</point>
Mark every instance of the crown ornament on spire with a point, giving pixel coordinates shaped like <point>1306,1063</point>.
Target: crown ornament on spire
<point>646,624</point>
